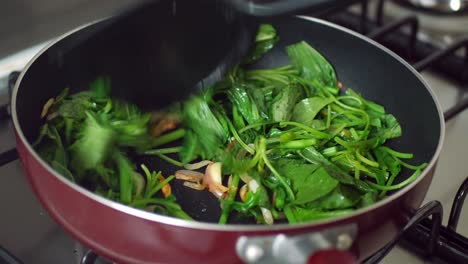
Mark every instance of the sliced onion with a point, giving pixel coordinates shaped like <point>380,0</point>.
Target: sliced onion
<point>47,105</point>
<point>243,192</point>
<point>198,165</point>
<point>157,115</point>
<point>219,190</point>
<point>150,208</point>
<point>162,122</point>
<point>253,185</point>
<point>166,189</point>
<point>139,183</point>
<point>245,177</point>
<point>212,179</point>
<point>340,85</point>
<point>52,116</point>
<point>267,216</point>
<point>194,185</point>
<point>212,174</point>
<point>230,146</point>
<point>273,199</point>
<point>229,182</point>
<point>189,175</point>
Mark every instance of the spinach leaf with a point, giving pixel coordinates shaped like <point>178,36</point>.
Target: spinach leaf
<point>244,103</point>
<point>342,197</point>
<point>101,88</point>
<point>60,155</point>
<point>262,97</point>
<point>265,40</point>
<point>76,106</point>
<point>313,156</point>
<point>209,132</point>
<point>126,171</point>
<point>312,64</point>
<point>368,199</point>
<point>284,102</point>
<point>94,144</point>
<point>387,161</point>
<point>130,125</point>
<point>313,153</point>
<point>309,182</point>
<point>60,168</point>
<point>391,128</point>
<point>190,147</point>
<point>371,107</point>
<point>296,214</point>
<point>306,110</point>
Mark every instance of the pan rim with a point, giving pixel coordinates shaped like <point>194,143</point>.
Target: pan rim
<point>172,221</point>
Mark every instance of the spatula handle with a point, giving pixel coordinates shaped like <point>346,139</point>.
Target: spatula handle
<point>279,7</point>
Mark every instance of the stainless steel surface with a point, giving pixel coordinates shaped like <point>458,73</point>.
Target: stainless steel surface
<point>279,249</point>
<point>25,23</point>
<point>444,6</point>
<point>441,30</point>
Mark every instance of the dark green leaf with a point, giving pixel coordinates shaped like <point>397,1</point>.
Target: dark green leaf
<point>368,199</point>
<point>126,171</point>
<point>313,156</point>
<point>342,197</point>
<point>297,214</point>
<point>284,103</point>
<point>76,106</point>
<point>94,145</point>
<point>100,88</point>
<point>190,147</point>
<point>262,98</point>
<point>306,110</point>
<point>312,64</point>
<point>205,126</point>
<point>60,168</point>
<point>309,182</point>
<point>391,128</point>
<point>244,103</point>
<point>265,41</point>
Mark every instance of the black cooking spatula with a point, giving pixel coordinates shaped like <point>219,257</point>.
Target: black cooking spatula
<point>173,48</point>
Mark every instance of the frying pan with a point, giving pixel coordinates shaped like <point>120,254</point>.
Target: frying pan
<point>128,235</point>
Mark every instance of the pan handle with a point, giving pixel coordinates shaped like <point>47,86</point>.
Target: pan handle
<point>313,247</point>
<point>8,258</point>
<point>8,156</point>
<point>280,7</point>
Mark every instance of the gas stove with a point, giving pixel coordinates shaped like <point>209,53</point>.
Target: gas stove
<point>431,42</point>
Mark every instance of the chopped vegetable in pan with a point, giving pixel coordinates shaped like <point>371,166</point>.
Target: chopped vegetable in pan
<point>282,144</point>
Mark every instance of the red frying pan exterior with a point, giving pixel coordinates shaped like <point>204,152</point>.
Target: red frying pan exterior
<point>126,238</point>
<point>128,235</point>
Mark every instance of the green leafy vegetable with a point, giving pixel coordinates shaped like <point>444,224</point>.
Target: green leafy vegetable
<point>89,137</point>
<point>283,103</point>
<point>94,144</point>
<point>202,122</point>
<point>265,41</point>
<point>279,144</point>
<point>312,64</point>
<point>306,110</point>
<point>310,182</point>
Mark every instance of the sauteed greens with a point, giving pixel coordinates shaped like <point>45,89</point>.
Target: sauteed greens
<point>287,143</point>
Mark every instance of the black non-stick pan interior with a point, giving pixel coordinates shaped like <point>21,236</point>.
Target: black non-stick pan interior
<point>368,69</point>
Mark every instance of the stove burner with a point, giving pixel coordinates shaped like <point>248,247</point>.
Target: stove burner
<point>446,7</point>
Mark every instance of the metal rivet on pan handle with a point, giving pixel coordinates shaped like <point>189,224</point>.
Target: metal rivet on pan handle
<point>281,248</point>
